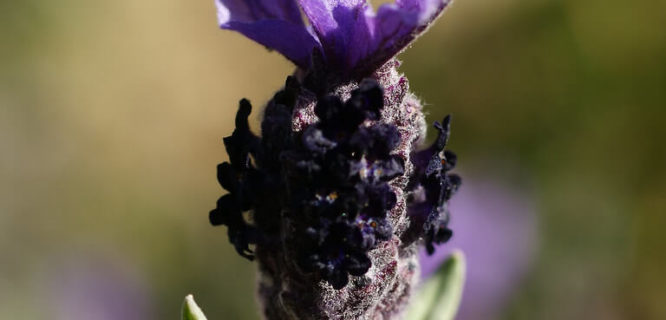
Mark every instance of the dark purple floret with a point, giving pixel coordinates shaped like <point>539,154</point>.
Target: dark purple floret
<point>330,180</point>
<point>339,186</point>
<point>431,187</point>
<point>239,177</point>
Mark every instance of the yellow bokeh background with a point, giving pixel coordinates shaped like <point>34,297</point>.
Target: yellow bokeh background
<point>112,114</point>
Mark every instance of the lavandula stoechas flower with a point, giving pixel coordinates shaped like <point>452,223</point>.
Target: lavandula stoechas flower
<point>338,194</point>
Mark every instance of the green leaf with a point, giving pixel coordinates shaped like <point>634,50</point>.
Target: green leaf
<point>439,297</point>
<point>191,310</point>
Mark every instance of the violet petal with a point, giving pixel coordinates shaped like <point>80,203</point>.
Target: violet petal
<point>335,22</point>
<point>357,40</point>
<point>276,24</point>
<point>390,30</point>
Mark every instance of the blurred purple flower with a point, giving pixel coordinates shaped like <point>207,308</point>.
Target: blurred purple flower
<point>349,34</point>
<point>495,227</point>
<point>100,288</point>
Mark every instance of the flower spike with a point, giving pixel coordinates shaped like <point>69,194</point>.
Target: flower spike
<point>333,199</point>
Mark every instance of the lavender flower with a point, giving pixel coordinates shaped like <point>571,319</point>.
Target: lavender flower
<point>334,196</point>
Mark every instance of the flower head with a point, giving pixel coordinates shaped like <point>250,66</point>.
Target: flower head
<point>333,197</point>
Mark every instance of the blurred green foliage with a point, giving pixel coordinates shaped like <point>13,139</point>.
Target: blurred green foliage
<point>112,113</point>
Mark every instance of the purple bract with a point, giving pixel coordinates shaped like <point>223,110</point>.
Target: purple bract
<point>352,38</point>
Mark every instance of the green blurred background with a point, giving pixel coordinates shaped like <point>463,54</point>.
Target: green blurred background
<point>112,114</point>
